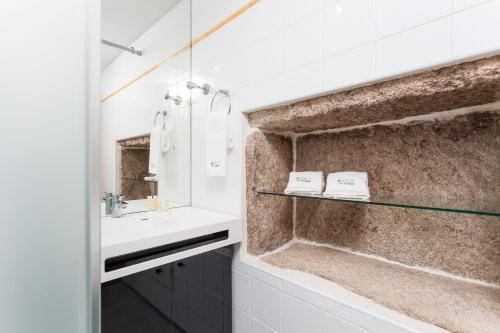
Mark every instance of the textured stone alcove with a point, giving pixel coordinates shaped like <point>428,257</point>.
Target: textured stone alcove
<point>269,160</point>
<point>457,156</point>
<point>132,167</point>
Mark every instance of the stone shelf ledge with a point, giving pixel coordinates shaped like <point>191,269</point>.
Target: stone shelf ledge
<point>453,304</point>
<point>458,86</point>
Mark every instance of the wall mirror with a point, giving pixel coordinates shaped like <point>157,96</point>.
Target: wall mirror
<point>145,64</point>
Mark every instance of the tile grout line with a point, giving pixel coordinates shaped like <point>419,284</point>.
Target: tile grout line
<point>451,13</point>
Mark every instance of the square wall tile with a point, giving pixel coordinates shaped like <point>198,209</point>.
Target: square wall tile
<point>261,59</point>
<point>393,16</point>
<point>300,317</point>
<point>288,86</point>
<point>349,68</point>
<point>242,290</point>
<point>199,116</point>
<point>263,19</point>
<point>204,19</point>
<point>302,42</point>
<point>476,30</point>
<point>332,324</point>
<point>258,327</point>
<point>294,10</point>
<point>347,25</point>
<point>415,49</point>
<point>266,304</point>
<point>365,320</point>
<point>241,321</point>
<point>303,294</point>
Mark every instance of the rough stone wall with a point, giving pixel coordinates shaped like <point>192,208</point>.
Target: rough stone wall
<point>139,141</point>
<point>427,160</point>
<point>133,167</point>
<point>450,158</point>
<point>463,85</point>
<point>269,160</point>
<point>134,163</point>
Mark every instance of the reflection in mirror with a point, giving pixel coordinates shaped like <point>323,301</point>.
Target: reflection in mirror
<point>145,109</point>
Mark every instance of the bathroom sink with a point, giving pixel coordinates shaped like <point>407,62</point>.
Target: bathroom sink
<point>156,219</point>
<point>135,225</point>
<point>142,230</point>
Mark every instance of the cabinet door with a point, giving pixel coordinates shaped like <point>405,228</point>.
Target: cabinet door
<point>138,303</point>
<point>202,293</point>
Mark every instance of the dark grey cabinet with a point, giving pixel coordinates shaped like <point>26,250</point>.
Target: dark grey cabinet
<point>192,295</point>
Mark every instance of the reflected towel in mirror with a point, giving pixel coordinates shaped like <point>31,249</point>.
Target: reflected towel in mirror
<point>154,150</point>
<point>216,144</point>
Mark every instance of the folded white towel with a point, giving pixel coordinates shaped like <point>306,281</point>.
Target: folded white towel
<point>347,185</point>
<point>154,150</point>
<point>165,143</point>
<point>216,144</point>
<point>308,182</point>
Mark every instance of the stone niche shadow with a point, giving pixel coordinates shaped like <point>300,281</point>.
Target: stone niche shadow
<point>132,166</point>
<point>452,156</point>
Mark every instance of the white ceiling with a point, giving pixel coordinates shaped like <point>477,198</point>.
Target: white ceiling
<point>123,21</point>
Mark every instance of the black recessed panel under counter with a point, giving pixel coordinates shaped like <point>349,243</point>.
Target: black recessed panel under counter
<point>186,296</point>
<point>129,259</point>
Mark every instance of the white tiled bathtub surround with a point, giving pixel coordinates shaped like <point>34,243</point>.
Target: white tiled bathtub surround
<point>285,301</point>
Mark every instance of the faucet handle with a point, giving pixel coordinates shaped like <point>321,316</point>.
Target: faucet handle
<point>121,200</point>
<point>118,205</point>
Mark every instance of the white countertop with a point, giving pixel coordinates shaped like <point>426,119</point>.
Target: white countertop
<point>144,230</point>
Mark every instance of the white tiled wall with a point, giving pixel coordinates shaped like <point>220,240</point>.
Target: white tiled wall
<point>388,37</point>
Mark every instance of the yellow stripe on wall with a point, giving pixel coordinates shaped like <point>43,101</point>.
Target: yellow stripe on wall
<point>185,48</point>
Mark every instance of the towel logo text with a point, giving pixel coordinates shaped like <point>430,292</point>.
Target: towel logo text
<point>344,181</point>
<point>303,179</point>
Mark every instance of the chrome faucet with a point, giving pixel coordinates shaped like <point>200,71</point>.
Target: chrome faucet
<point>117,205</point>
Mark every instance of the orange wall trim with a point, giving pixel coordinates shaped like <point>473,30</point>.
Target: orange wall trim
<point>185,48</point>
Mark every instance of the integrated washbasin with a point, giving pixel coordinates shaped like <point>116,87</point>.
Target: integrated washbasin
<point>139,230</point>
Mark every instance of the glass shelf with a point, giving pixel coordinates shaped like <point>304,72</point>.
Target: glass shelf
<point>141,180</point>
<point>453,205</point>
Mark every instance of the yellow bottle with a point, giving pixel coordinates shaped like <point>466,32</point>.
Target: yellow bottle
<point>149,202</point>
